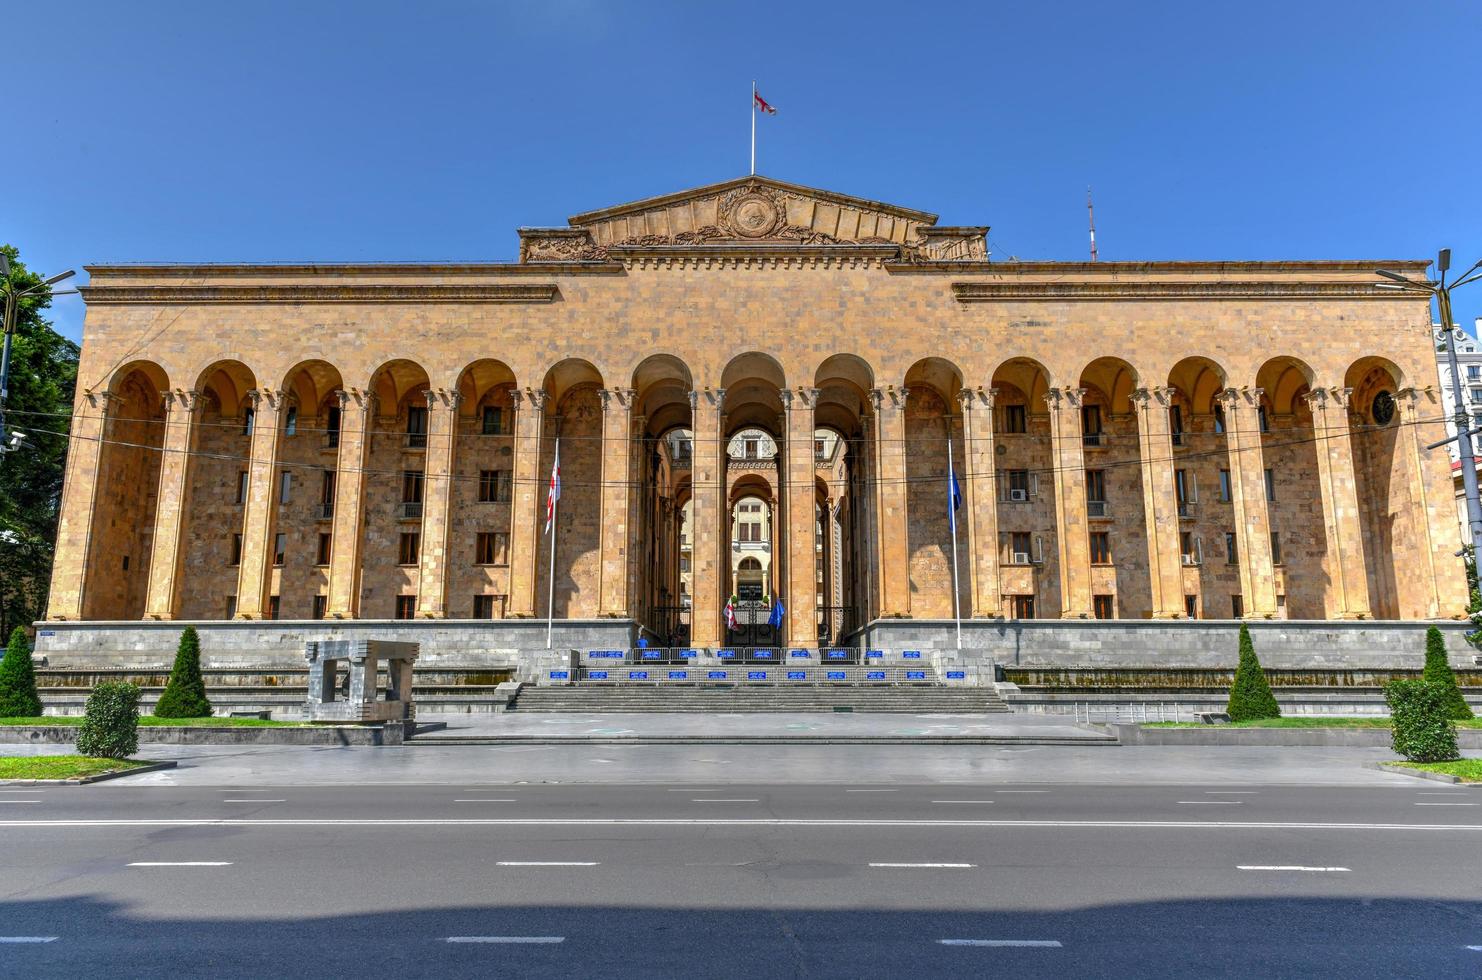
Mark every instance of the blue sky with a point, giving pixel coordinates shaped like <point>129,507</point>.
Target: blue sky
<point>376,131</point>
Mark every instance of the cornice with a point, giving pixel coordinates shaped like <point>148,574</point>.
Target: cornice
<point>381,270</point>
<point>782,255</point>
<point>104,295</point>
<point>1088,290</point>
<point>831,197</point>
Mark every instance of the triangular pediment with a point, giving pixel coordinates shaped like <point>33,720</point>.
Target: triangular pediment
<point>754,211</point>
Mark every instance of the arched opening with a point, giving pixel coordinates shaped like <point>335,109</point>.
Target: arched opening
<point>1028,548</point>
<point>1121,586</point>
<point>664,459</point>
<point>752,565</point>
<point>122,539</point>
<point>395,491</point>
<point>574,423</point>
<point>1383,480</point>
<point>1202,487</point>
<point>846,579</point>
<point>482,492</point>
<point>1289,448</point>
<point>930,421</point>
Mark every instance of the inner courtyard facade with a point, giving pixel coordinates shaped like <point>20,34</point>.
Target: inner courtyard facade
<point>762,392</point>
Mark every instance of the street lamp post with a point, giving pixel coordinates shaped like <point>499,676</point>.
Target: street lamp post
<point>1464,431</point>
<point>8,440</point>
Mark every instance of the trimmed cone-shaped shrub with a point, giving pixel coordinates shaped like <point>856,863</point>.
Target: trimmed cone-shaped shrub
<point>1420,730</point>
<point>185,694</point>
<point>1250,695</point>
<point>1438,672</point>
<point>18,698</point>
<point>110,727</point>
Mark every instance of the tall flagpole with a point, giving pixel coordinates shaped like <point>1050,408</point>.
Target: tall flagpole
<point>550,598</point>
<point>952,513</point>
<point>753,127</point>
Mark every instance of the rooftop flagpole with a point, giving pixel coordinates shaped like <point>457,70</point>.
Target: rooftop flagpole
<point>555,504</point>
<point>753,127</point>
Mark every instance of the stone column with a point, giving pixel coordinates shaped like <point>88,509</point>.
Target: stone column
<point>892,546</point>
<point>79,502</point>
<point>260,519</point>
<point>357,422</point>
<point>644,549</point>
<point>1072,530</point>
<point>1248,490</point>
<point>169,516</point>
<point>800,499</point>
<point>617,459</point>
<point>1160,500</point>
<point>982,503</point>
<point>437,500</point>
<point>525,520</point>
<point>1410,416</point>
<point>708,515</point>
<point>1340,505</point>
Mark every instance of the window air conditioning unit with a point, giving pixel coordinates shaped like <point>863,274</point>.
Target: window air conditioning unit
<point>1021,558</point>
<point>1019,496</point>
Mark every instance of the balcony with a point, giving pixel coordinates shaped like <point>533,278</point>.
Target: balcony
<point>415,440</point>
<point>1095,440</point>
<point>411,510</point>
<point>324,511</point>
<point>1097,509</point>
<point>1186,510</point>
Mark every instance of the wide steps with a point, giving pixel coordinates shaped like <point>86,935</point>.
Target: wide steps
<point>758,699</point>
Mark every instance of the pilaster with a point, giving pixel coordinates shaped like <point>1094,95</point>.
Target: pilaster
<point>162,599</point>
<point>70,565</point>
<point>892,556</point>
<point>707,511</point>
<point>1340,501</point>
<point>1160,499</point>
<point>982,501</point>
<point>1072,528</point>
<point>442,445</point>
<point>798,477</point>
<point>1434,493</point>
<point>357,420</point>
<point>1248,494</point>
<point>260,518</point>
<point>617,459</point>
<point>526,519</point>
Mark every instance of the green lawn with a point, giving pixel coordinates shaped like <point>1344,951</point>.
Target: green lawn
<point>60,766</point>
<point>1470,770</point>
<point>1303,722</point>
<point>150,721</point>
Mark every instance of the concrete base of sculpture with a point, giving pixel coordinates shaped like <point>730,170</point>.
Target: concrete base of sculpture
<point>344,680</point>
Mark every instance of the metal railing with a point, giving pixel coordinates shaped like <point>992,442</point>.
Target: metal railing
<point>1086,713</point>
<point>835,623</point>
<point>411,509</point>
<point>324,511</point>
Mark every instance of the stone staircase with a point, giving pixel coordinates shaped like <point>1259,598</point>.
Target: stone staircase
<point>759,698</point>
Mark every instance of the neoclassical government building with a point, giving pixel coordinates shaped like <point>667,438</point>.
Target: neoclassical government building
<point>322,445</point>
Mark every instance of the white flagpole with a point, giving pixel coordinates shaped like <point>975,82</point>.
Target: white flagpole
<point>753,127</point>
<point>952,512</point>
<point>550,600</point>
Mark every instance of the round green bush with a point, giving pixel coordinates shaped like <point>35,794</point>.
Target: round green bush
<point>110,726</point>
<point>1420,729</point>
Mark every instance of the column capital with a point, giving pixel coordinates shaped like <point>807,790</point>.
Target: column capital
<point>622,397</point>
<point>978,397</point>
<point>1162,394</point>
<point>442,398</point>
<point>1057,398</point>
<point>271,397</point>
<point>356,396</point>
<point>1232,397</point>
<point>713,397</point>
<point>181,400</point>
<point>890,396</point>
<point>536,397</point>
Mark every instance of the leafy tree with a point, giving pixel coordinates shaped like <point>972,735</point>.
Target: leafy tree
<point>43,376</point>
<point>1250,694</point>
<point>110,724</point>
<point>1438,672</point>
<point>185,694</point>
<point>18,698</point>
<point>1419,728</point>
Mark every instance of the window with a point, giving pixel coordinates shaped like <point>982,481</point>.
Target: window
<point>406,606</point>
<point>1176,424</point>
<point>231,607</point>
<point>326,487</point>
<point>1230,554</point>
<point>321,556</point>
<point>273,607</point>
<point>416,426</point>
<point>1019,541</point>
<point>493,425</point>
<point>1275,548</point>
<point>1100,549</point>
<point>1270,484</point>
<point>285,484</point>
<point>1219,418</point>
<point>1185,490</point>
<point>1101,606</point>
<point>249,420</point>
<point>1023,607</point>
<point>1237,607</point>
<point>483,606</point>
<point>236,558</point>
<point>321,606</point>
<point>491,548</point>
<point>1225,491</point>
<point>1262,418</point>
<point>1015,419</point>
<point>411,493</point>
<point>407,548</point>
<point>1191,606</point>
<point>1019,485</point>
<point>1474,372</point>
<point>241,486</point>
<point>495,486</point>
<point>818,448</point>
<point>684,563</point>
<point>126,563</point>
<point>290,422</point>
<point>1191,548</point>
<point>1096,493</point>
<point>1091,425</point>
<point>333,434</point>
<point>1476,395</point>
<point>280,548</point>
<point>751,448</point>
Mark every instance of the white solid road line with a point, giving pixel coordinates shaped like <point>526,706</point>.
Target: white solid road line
<point>547,864</point>
<point>962,801</point>
<point>872,791</point>
<point>840,822</point>
<point>1233,792</point>
<point>1021,791</point>
<point>1040,943</point>
<point>179,864</point>
<point>486,801</point>
<point>1285,867</point>
<point>1211,803</point>
<point>1446,804</point>
<point>28,939</point>
<point>254,801</point>
<point>897,864</point>
<point>724,801</point>
<point>20,801</point>
<point>506,939</point>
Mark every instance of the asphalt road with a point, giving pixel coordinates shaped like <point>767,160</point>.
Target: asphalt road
<point>741,880</point>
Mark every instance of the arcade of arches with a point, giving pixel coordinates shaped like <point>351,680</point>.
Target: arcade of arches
<point>375,442</point>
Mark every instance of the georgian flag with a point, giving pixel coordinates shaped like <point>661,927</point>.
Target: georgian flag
<point>730,613</point>
<point>762,105</point>
<point>555,492</point>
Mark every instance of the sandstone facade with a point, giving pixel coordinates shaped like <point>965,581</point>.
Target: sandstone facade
<point>1132,440</point>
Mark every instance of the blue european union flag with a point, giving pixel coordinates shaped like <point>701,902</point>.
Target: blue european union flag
<point>956,491</point>
<point>777,613</point>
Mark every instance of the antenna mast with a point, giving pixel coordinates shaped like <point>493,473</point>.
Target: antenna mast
<point>1091,214</point>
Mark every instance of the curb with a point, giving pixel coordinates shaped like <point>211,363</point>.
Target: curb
<point>758,740</point>
<point>1437,777</point>
<point>85,780</point>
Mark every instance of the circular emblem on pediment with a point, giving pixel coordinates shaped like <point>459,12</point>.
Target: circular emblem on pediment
<point>753,212</point>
